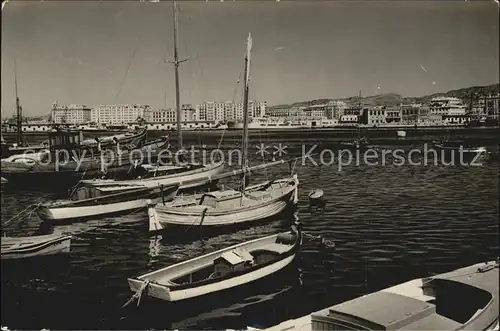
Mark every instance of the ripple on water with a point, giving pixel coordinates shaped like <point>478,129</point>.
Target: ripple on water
<point>389,224</point>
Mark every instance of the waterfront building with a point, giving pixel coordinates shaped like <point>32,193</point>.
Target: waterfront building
<point>374,116</point>
<point>229,110</point>
<point>349,120</point>
<point>162,115</point>
<point>393,114</point>
<point>335,109</point>
<point>487,106</point>
<point>72,114</point>
<point>447,106</point>
<point>119,114</point>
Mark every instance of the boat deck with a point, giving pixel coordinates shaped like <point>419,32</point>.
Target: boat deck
<point>410,306</point>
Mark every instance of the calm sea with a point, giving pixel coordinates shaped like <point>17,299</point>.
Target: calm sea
<point>389,223</point>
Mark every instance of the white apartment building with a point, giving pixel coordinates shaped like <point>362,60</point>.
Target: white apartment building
<point>119,114</point>
<point>229,111</point>
<point>72,114</point>
<point>447,106</point>
<point>162,115</point>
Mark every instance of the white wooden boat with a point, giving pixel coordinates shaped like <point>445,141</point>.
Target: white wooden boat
<point>227,207</point>
<point>88,202</point>
<point>463,299</point>
<point>23,247</point>
<point>186,177</point>
<point>129,138</point>
<point>221,270</point>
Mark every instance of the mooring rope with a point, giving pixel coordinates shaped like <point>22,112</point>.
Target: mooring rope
<point>137,295</point>
<point>18,215</point>
<point>324,241</point>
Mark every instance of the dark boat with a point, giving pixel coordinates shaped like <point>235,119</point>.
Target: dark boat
<point>66,159</point>
<point>456,149</point>
<point>463,299</point>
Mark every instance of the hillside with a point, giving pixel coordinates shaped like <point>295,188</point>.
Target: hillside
<point>390,99</point>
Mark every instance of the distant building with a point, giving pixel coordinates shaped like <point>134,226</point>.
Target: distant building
<point>447,106</point>
<point>374,116</point>
<point>72,114</point>
<point>228,110</point>
<point>119,114</point>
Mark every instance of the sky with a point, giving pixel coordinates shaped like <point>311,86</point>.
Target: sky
<point>107,52</point>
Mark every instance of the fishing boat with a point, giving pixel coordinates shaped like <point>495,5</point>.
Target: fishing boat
<point>229,207</point>
<point>186,174</point>
<point>453,149</point>
<point>87,202</point>
<point>24,247</point>
<point>65,160</point>
<point>221,270</point>
<point>128,138</point>
<point>463,299</point>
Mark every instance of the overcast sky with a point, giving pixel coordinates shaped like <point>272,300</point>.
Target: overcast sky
<point>79,52</point>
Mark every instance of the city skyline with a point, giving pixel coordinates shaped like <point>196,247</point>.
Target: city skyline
<point>302,51</point>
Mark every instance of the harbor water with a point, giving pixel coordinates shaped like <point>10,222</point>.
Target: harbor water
<point>390,223</point>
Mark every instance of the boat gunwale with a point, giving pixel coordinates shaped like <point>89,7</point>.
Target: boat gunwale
<point>205,168</point>
<point>79,203</point>
<point>35,247</point>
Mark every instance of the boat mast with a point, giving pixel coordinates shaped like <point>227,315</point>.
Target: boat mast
<point>176,63</point>
<point>19,117</point>
<point>245,112</point>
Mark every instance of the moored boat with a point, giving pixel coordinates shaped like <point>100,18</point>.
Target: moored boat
<point>221,270</point>
<point>24,247</point>
<point>229,207</point>
<point>463,299</point>
<point>455,149</point>
<point>186,176</point>
<point>87,202</point>
<point>226,207</point>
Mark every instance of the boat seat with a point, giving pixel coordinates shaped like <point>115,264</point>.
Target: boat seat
<point>275,247</point>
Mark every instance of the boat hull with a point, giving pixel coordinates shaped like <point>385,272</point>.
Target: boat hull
<point>164,293</point>
<point>49,246</point>
<point>179,292</point>
<point>63,213</point>
<point>187,180</point>
<point>160,217</point>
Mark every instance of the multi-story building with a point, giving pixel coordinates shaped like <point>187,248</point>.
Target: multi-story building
<point>335,109</point>
<point>487,106</point>
<point>447,106</point>
<point>374,116</point>
<point>72,114</point>
<point>188,113</point>
<point>229,111</point>
<point>393,114</point>
<point>119,114</point>
<point>162,115</point>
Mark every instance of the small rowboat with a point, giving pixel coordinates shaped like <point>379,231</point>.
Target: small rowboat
<point>23,247</point>
<point>88,202</point>
<point>221,270</point>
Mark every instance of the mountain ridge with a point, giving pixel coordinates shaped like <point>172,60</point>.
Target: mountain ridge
<point>391,99</point>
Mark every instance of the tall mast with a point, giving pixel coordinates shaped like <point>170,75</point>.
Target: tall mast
<point>19,117</point>
<point>176,63</point>
<point>245,110</point>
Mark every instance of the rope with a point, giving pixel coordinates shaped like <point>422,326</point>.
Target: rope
<point>323,241</point>
<point>137,295</point>
<point>18,215</point>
